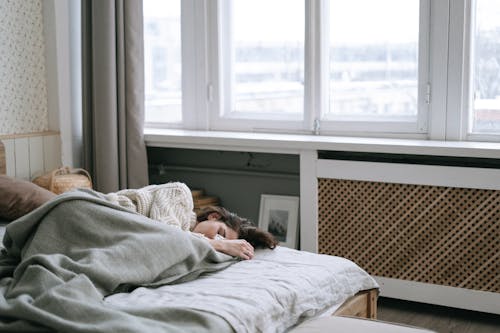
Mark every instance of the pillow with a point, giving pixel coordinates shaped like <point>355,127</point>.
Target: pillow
<point>19,197</point>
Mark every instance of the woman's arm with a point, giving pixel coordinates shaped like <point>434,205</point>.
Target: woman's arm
<point>234,247</point>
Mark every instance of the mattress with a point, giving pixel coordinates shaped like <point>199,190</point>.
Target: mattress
<point>270,293</point>
<point>273,292</point>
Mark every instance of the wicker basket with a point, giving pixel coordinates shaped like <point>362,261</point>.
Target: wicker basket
<point>64,179</point>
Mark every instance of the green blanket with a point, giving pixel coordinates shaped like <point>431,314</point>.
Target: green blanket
<point>61,260</point>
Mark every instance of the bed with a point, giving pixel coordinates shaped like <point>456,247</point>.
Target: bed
<point>81,264</point>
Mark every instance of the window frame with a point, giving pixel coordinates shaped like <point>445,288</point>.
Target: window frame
<point>184,92</point>
<point>219,84</point>
<point>316,94</point>
<point>444,79</point>
<point>395,127</point>
<point>468,96</point>
<point>461,74</point>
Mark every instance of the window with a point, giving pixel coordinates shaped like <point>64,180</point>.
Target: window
<point>373,60</point>
<point>485,111</point>
<point>260,84</point>
<point>388,68</point>
<point>264,71</point>
<point>162,55</point>
<point>269,79</point>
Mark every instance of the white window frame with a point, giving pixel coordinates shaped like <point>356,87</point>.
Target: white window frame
<point>445,73</point>
<point>192,11</point>
<point>395,127</point>
<point>469,95</point>
<point>460,75</point>
<point>316,83</point>
<point>219,85</point>
<point>187,44</point>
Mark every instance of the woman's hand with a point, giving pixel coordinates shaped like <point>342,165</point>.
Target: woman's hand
<point>234,247</point>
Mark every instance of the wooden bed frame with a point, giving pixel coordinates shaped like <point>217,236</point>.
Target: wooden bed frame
<point>363,304</point>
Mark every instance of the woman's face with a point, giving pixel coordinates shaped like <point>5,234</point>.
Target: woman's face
<point>210,228</point>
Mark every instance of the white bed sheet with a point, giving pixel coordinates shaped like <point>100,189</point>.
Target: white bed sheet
<point>270,293</point>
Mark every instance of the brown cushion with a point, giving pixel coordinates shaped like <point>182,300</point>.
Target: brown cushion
<point>19,197</point>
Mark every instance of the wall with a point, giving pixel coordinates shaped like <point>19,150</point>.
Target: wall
<point>23,85</point>
<point>40,79</point>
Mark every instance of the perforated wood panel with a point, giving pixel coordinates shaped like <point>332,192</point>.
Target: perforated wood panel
<point>432,234</point>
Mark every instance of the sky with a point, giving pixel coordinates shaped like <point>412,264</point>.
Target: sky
<point>488,14</point>
<point>352,21</point>
<point>356,21</point>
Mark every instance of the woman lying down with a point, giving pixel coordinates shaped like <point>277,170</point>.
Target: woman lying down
<point>61,260</point>
<point>172,203</point>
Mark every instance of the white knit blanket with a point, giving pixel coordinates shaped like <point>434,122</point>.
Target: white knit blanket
<point>170,203</point>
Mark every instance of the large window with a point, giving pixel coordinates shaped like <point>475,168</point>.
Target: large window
<point>387,68</point>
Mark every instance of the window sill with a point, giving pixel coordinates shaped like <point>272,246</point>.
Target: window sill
<point>294,144</point>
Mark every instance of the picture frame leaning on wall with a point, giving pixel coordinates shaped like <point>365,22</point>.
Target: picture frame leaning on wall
<point>279,214</point>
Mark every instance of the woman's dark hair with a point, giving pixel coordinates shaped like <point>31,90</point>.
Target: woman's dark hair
<point>244,227</point>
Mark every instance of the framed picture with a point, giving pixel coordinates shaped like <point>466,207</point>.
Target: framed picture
<point>279,215</point>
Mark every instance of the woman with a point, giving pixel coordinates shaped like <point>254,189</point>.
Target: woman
<point>231,234</point>
<point>172,204</point>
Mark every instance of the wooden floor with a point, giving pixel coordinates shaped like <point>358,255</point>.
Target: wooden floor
<point>437,318</point>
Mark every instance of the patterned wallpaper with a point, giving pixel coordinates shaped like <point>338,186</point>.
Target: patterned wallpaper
<point>23,86</point>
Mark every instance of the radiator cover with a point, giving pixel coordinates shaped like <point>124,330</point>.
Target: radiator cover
<point>432,234</point>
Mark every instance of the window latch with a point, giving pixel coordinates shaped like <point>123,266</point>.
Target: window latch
<point>316,126</point>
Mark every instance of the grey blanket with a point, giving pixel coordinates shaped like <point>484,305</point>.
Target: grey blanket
<point>61,260</point>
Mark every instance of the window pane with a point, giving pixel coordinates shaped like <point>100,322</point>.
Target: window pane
<point>486,64</point>
<point>268,56</point>
<point>373,60</point>
<point>162,60</point>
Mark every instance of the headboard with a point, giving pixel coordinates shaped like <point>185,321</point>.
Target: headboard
<point>29,155</point>
<point>2,159</point>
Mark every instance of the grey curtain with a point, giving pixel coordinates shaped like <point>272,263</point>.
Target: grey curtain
<point>113,94</point>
